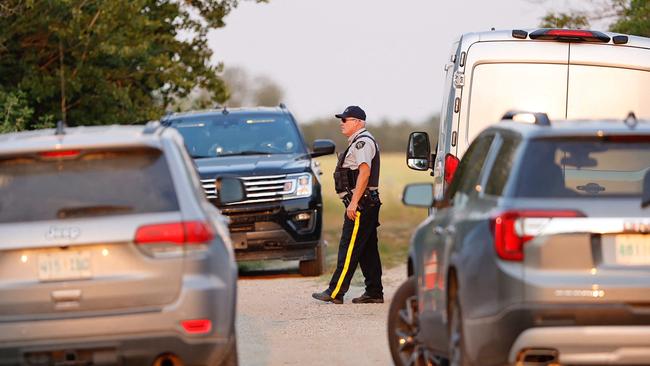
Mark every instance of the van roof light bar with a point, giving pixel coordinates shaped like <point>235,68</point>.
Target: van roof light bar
<point>569,35</point>
<point>538,118</point>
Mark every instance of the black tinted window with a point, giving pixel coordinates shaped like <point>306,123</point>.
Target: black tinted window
<point>33,188</point>
<point>614,166</point>
<point>469,169</point>
<point>502,166</point>
<point>237,133</point>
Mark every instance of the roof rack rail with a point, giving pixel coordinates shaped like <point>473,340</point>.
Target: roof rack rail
<point>631,121</point>
<point>151,127</point>
<point>60,128</point>
<point>538,118</point>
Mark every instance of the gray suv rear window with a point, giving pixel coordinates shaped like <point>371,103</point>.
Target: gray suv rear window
<point>584,167</point>
<point>94,183</point>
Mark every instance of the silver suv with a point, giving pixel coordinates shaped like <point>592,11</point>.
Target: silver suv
<point>110,253</point>
<point>539,254</point>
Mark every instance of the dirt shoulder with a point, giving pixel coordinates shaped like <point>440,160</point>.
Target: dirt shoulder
<point>278,323</point>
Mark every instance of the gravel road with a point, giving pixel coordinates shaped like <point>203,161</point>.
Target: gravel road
<point>278,322</point>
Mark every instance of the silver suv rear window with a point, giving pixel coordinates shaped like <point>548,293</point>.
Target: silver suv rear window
<point>39,187</point>
<point>613,166</point>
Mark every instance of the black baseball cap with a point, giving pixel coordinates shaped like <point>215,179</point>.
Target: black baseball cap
<point>354,112</point>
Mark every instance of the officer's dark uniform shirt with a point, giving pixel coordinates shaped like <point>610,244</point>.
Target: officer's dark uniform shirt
<point>362,150</point>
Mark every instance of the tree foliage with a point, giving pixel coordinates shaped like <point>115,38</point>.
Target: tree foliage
<point>561,20</point>
<point>391,137</point>
<point>247,91</point>
<point>104,61</point>
<point>626,16</point>
<point>634,17</point>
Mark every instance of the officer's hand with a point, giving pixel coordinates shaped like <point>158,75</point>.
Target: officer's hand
<point>351,211</point>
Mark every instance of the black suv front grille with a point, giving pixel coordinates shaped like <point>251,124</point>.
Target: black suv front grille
<point>258,189</point>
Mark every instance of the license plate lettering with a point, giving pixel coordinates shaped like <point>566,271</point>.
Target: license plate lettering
<point>64,266</point>
<point>633,249</point>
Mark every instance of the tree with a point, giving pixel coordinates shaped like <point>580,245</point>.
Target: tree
<point>560,20</point>
<point>634,17</point>
<point>267,92</point>
<point>107,61</point>
<point>625,16</point>
<point>244,91</point>
<point>390,136</point>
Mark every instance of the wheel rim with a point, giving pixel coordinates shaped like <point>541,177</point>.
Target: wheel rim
<point>411,351</point>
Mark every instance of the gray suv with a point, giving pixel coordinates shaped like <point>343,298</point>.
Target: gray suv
<point>539,254</point>
<point>110,252</point>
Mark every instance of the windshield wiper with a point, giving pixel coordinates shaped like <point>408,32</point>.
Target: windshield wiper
<point>201,156</point>
<point>94,210</point>
<point>247,152</point>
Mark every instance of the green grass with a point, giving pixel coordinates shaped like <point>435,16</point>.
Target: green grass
<point>397,221</point>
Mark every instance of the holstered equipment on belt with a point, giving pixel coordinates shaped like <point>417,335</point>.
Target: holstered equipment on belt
<point>369,199</point>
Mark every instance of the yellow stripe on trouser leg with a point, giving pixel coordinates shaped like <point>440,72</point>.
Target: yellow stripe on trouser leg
<point>348,255</point>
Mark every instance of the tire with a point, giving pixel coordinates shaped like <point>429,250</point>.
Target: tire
<point>232,358</point>
<point>316,266</point>
<point>400,328</point>
<point>457,351</point>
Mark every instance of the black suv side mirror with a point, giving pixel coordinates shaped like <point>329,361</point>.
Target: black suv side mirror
<point>229,190</point>
<point>322,147</point>
<point>418,153</point>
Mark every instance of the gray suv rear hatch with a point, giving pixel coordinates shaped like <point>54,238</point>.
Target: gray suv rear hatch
<point>68,222</point>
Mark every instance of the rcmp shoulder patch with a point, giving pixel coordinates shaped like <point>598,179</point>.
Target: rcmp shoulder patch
<point>360,144</point>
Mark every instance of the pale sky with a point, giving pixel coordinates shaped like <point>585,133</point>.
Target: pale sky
<point>386,56</point>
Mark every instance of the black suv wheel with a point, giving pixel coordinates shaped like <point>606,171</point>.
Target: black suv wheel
<point>316,266</point>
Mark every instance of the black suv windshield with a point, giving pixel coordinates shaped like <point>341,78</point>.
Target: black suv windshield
<point>585,167</point>
<point>239,134</point>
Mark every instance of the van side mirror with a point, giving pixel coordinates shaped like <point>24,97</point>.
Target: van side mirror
<point>229,190</point>
<point>419,195</point>
<point>322,147</point>
<point>418,153</point>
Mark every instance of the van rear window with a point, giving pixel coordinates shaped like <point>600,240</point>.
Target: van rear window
<point>585,167</point>
<point>85,184</point>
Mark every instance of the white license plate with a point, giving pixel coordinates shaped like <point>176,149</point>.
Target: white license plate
<point>633,249</point>
<point>64,266</point>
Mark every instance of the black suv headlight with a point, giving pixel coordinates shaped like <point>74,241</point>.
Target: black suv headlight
<point>298,185</point>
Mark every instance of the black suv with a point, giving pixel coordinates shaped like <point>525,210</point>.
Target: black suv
<point>281,216</point>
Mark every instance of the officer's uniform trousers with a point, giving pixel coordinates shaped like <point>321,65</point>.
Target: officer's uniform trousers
<point>358,245</point>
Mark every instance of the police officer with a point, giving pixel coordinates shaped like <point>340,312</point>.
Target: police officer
<point>356,179</point>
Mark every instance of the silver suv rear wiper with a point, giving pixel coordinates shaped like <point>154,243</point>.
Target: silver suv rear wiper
<point>93,210</point>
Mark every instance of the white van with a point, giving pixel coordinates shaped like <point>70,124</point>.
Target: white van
<point>567,74</point>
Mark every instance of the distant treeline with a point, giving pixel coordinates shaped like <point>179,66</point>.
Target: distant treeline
<point>391,136</point>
